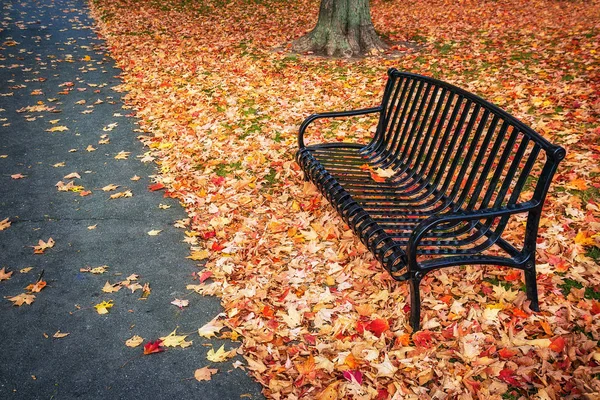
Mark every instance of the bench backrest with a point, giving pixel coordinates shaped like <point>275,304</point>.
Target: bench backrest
<point>470,152</point>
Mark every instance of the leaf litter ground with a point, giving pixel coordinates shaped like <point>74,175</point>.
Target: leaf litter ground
<point>319,319</point>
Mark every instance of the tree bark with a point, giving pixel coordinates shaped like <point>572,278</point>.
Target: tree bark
<point>344,29</point>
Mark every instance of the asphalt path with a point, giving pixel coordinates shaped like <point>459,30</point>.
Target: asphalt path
<point>62,121</point>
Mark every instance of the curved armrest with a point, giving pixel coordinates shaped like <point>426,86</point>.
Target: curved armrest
<point>430,223</point>
<point>337,114</point>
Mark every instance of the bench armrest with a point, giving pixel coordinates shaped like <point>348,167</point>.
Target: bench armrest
<point>430,223</point>
<point>337,114</point>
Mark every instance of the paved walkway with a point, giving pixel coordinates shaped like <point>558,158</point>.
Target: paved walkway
<point>60,115</point>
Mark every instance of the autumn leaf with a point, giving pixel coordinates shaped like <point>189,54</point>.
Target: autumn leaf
<point>156,186</point>
<point>199,255</point>
<point>36,287</point>
<point>110,187</point>
<point>108,288</point>
<point>558,344</point>
<point>210,329</point>
<point>72,175</point>
<point>43,246</point>
<point>118,195</point>
<point>22,298</point>
<point>180,303</point>
<point>385,173</point>
<point>153,347</point>
<point>134,341</point>
<point>220,355</point>
<point>25,270</point>
<point>102,308</point>
<point>205,373</point>
<point>60,335</point>
<point>122,155</point>
<point>377,178</point>
<point>173,340</point>
<point>154,232</point>
<point>61,128</point>
<point>18,176</point>
<point>5,275</point>
<point>4,224</point>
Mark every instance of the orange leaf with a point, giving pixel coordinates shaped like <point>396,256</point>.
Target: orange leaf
<point>513,276</point>
<point>36,287</point>
<point>507,353</point>
<point>365,167</point>
<point>378,326</point>
<point>557,344</point>
<point>377,178</point>
<point>156,186</point>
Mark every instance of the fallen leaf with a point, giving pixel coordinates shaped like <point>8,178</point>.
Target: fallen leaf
<point>180,303</point>
<point>60,128</point>
<point>22,298</point>
<point>210,329</point>
<point>72,175</point>
<point>60,335</point>
<point>205,373</point>
<point>102,308</point>
<point>153,347</point>
<point>25,270</point>
<point>111,288</point>
<point>4,224</point>
<point>110,187</point>
<point>173,340</point>
<point>4,275</point>
<point>385,173</point>
<point>36,287</point>
<point>135,178</point>
<point>126,193</point>
<point>42,246</point>
<point>92,227</point>
<point>156,186</point>
<point>122,155</point>
<point>219,355</point>
<point>134,341</point>
<point>154,232</point>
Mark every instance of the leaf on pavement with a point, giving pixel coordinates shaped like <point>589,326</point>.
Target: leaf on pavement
<point>220,355</point>
<point>153,347</point>
<point>42,246</point>
<point>134,341</point>
<point>173,340</point>
<point>205,373</point>
<point>22,298</point>
<point>4,224</point>
<point>5,275</point>
<point>102,308</point>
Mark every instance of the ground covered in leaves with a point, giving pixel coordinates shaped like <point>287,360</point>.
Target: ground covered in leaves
<point>220,99</point>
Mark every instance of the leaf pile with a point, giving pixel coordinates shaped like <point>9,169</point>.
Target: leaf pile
<point>220,101</point>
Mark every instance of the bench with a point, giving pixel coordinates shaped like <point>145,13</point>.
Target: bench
<point>443,176</point>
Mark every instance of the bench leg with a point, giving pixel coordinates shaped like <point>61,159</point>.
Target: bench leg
<point>415,302</point>
<point>531,286</point>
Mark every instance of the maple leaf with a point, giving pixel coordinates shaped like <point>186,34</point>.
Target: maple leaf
<point>118,195</point>
<point>205,373</point>
<point>558,344</point>
<point>385,368</point>
<point>180,303</point>
<point>377,178</point>
<point>220,355</point>
<point>378,326</point>
<point>22,298</point>
<point>4,224</point>
<point>42,246</point>
<point>156,186</point>
<point>122,155</point>
<point>4,275</point>
<point>153,347</point>
<point>36,287</point>
<point>173,340</point>
<point>210,329</point>
<point>102,308</point>
<point>385,173</point>
<point>72,175</point>
<point>134,341</point>
<point>61,128</point>
<point>198,255</point>
<point>110,187</point>
<point>108,288</point>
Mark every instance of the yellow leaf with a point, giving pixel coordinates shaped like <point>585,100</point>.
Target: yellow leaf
<point>102,308</point>
<point>577,184</point>
<point>219,355</point>
<point>134,341</point>
<point>330,392</point>
<point>173,340</point>
<point>60,128</point>
<point>154,232</point>
<point>199,255</point>
<point>583,239</point>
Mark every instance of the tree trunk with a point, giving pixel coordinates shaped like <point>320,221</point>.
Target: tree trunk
<point>344,29</point>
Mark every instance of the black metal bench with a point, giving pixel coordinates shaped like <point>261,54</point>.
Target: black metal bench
<point>460,167</point>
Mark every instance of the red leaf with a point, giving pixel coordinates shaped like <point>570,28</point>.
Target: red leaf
<point>217,247</point>
<point>217,180</point>
<point>310,339</point>
<point>153,347</point>
<point>557,344</point>
<point>508,376</point>
<point>423,339</point>
<point>357,375</point>
<point>378,326</point>
<point>513,276</point>
<point>507,353</point>
<point>595,307</point>
<point>204,276</point>
<point>155,187</point>
<point>208,235</point>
